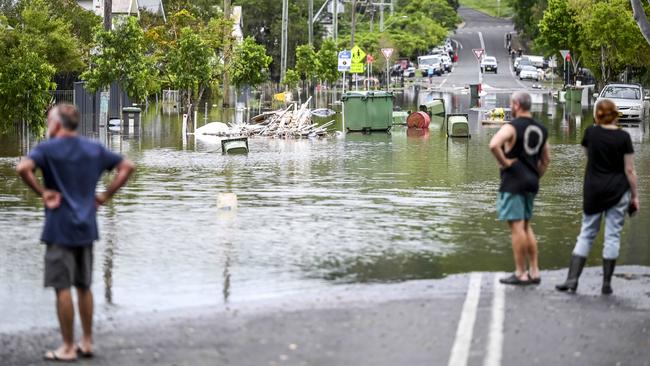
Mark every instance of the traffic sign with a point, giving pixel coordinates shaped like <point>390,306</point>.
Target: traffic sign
<point>387,52</point>
<point>566,55</point>
<point>478,53</point>
<point>370,59</point>
<point>357,55</point>
<point>357,68</point>
<point>345,60</point>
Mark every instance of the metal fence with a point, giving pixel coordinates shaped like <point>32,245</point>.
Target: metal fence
<point>62,96</point>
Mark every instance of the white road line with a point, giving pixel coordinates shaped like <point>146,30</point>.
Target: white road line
<point>443,83</point>
<point>465,331</point>
<point>495,342</point>
<point>480,36</point>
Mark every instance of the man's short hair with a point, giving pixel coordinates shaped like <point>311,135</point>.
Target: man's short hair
<point>69,116</point>
<point>523,100</point>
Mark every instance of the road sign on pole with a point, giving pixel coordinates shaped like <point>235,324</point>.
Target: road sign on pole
<point>357,60</point>
<point>345,60</point>
<point>478,53</point>
<point>387,52</point>
<point>566,54</point>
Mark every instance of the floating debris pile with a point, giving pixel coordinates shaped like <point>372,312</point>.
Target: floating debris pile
<point>292,122</point>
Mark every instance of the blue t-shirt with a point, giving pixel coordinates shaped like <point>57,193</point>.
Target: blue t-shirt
<point>72,166</point>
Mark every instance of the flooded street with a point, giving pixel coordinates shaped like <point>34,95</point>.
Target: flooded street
<point>312,213</point>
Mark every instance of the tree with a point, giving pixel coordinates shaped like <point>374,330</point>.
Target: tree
<point>559,29</point>
<point>122,59</point>
<point>25,82</point>
<point>250,64</point>
<point>192,66</point>
<point>291,79</point>
<point>526,16</point>
<point>327,65</point>
<point>306,61</point>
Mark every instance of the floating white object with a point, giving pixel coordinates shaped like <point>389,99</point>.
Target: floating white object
<point>213,128</point>
<point>227,201</point>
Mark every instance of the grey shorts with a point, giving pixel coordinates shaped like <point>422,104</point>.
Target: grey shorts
<point>67,266</point>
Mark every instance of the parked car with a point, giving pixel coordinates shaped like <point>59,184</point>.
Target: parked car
<point>523,62</point>
<point>516,62</point>
<point>409,72</point>
<point>629,100</point>
<point>528,72</point>
<point>431,61</point>
<point>489,63</point>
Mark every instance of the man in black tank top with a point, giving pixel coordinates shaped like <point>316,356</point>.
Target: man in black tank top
<point>522,151</point>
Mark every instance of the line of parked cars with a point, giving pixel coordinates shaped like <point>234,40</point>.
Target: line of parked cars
<point>439,61</point>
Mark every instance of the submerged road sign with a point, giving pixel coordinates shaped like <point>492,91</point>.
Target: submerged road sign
<point>345,60</point>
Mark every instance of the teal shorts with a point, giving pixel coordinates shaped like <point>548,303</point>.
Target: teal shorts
<point>515,207</point>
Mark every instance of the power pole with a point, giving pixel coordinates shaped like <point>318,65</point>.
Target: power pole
<point>226,61</point>
<point>392,7</point>
<point>285,33</point>
<point>108,12</point>
<point>381,16</point>
<point>354,22</point>
<point>335,15</point>
<point>310,10</point>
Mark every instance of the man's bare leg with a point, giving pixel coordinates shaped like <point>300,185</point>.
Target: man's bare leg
<point>65,312</point>
<point>533,266</point>
<point>519,250</point>
<point>85,302</point>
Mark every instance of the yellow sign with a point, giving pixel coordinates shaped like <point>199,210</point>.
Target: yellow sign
<point>357,68</point>
<point>358,55</point>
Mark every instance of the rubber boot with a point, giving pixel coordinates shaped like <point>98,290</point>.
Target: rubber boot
<point>608,271</point>
<point>575,270</point>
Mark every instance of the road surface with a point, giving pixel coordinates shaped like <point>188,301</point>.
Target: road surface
<point>460,320</point>
<point>482,31</point>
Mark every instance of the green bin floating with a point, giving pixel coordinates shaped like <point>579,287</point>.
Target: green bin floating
<point>399,118</point>
<point>237,145</point>
<point>435,107</point>
<point>367,110</point>
<point>458,125</point>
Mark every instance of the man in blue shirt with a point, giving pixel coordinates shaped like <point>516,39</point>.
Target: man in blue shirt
<point>71,167</point>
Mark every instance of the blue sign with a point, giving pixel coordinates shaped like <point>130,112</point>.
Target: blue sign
<point>345,60</point>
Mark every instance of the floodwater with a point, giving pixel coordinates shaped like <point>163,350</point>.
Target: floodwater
<point>311,214</point>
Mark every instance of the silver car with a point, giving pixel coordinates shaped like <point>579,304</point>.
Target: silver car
<point>628,99</point>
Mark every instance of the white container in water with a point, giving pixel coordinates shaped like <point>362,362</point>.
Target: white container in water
<point>227,201</point>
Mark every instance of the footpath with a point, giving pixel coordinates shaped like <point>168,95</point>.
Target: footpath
<point>466,319</point>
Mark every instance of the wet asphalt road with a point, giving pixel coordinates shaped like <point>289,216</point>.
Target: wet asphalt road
<point>482,31</point>
<point>412,323</point>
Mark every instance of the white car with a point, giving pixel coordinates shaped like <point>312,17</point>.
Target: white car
<point>489,63</point>
<point>628,98</point>
<point>431,62</point>
<point>529,72</point>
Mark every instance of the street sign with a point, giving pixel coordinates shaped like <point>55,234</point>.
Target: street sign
<point>345,60</point>
<point>566,55</point>
<point>478,53</point>
<point>357,55</point>
<point>370,59</point>
<point>357,60</point>
<point>387,52</point>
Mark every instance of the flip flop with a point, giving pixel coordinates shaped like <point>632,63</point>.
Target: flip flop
<point>80,352</point>
<point>535,281</point>
<point>51,356</point>
<point>514,280</point>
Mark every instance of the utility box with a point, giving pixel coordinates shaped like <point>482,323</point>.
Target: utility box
<point>367,110</point>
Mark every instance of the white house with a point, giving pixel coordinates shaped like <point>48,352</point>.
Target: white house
<point>125,7</point>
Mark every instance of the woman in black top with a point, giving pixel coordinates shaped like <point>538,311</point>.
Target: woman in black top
<point>610,190</point>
